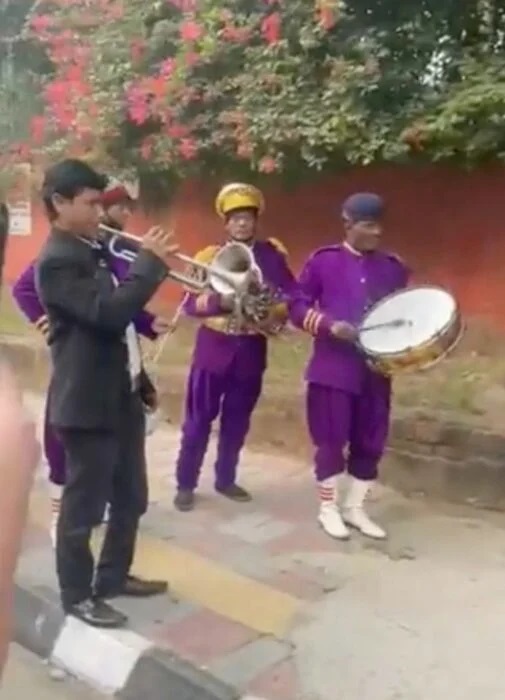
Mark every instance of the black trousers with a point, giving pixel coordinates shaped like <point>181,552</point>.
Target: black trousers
<point>102,466</point>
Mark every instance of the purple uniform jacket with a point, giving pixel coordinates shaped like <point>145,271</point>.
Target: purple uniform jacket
<point>26,297</point>
<point>215,349</point>
<point>339,284</point>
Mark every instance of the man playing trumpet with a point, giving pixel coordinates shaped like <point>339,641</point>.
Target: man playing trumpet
<point>229,358</point>
<point>95,395</point>
<point>117,203</point>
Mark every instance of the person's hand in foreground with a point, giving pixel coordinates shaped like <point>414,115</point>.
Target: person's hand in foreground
<point>19,456</point>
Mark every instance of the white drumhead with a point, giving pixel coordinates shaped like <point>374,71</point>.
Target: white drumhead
<point>427,311</point>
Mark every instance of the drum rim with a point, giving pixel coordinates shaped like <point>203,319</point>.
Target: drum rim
<point>455,315</point>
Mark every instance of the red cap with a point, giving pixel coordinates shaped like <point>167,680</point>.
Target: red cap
<point>115,195</point>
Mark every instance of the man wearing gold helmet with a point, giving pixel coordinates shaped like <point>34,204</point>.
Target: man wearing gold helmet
<point>228,362</point>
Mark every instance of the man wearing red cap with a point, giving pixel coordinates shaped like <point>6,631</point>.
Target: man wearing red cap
<point>118,205</point>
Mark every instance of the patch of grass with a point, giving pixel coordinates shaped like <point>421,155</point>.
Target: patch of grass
<point>456,386</point>
<point>12,321</point>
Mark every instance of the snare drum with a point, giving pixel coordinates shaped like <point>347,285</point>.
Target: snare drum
<point>410,330</point>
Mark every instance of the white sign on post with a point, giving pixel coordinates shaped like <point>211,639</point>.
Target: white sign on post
<point>19,201</point>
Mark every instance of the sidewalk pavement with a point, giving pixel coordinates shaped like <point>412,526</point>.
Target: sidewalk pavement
<point>27,676</point>
<point>264,605</point>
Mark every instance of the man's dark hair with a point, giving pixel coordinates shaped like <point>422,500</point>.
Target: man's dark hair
<point>68,179</point>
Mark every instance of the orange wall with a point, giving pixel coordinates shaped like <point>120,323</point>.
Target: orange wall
<point>449,224</point>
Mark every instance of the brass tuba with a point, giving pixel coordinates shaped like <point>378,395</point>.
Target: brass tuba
<point>234,270</point>
<point>254,300</point>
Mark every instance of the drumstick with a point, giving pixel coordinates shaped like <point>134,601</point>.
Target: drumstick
<point>397,323</point>
<point>173,327</point>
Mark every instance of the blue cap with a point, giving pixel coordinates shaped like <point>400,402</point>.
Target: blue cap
<point>363,206</point>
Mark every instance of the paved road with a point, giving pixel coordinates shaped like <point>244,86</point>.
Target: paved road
<point>425,622</point>
<point>28,677</point>
<point>418,617</point>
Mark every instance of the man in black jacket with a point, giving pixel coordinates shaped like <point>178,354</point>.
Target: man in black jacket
<point>96,388</point>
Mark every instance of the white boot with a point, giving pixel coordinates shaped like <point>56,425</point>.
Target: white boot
<point>354,513</point>
<point>329,515</point>
<point>56,492</point>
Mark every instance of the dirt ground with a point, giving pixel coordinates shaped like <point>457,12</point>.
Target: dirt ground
<point>468,387</point>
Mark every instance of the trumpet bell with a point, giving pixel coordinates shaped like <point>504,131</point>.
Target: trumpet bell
<point>235,269</point>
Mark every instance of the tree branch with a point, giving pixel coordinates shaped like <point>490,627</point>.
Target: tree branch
<point>25,30</point>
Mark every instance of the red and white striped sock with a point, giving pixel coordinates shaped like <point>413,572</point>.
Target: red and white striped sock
<point>56,492</point>
<point>327,490</point>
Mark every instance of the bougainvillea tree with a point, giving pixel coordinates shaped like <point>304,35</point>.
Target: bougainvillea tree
<point>183,85</point>
<point>22,67</point>
<point>273,86</point>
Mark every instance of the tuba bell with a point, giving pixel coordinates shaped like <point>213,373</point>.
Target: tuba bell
<point>234,270</point>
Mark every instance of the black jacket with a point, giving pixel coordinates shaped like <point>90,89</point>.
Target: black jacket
<point>88,317</point>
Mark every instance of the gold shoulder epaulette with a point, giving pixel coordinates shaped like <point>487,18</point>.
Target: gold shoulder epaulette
<point>206,255</point>
<point>279,246</point>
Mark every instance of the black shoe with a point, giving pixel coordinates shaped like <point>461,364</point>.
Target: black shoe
<point>134,587</point>
<point>97,614</point>
<point>139,588</point>
<point>184,500</point>
<point>235,493</point>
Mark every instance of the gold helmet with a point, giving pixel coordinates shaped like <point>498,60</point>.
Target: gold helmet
<point>239,195</point>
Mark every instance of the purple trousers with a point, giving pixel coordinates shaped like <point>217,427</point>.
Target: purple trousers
<point>54,452</point>
<point>231,397</point>
<point>338,419</point>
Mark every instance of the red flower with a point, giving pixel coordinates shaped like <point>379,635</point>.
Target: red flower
<point>327,18</point>
<point>73,74</point>
<point>188,148</point>
<point>190,31</point>
<point>167,67</point>
<point>40,23</point>
<point>184,5</point>
<point>176,131</point>
<point>267,165</point>
<point>328,13</point>
<point>137,105</point>
<point>271,28</point>
<point>56,91</point>
<point>157,87</point>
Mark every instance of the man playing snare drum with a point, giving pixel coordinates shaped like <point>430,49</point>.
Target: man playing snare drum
<point>347,404</point>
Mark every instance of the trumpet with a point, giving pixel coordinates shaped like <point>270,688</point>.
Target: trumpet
<point>232,271</point>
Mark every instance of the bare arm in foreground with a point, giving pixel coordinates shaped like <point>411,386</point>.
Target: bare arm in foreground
<point>19,455</point>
